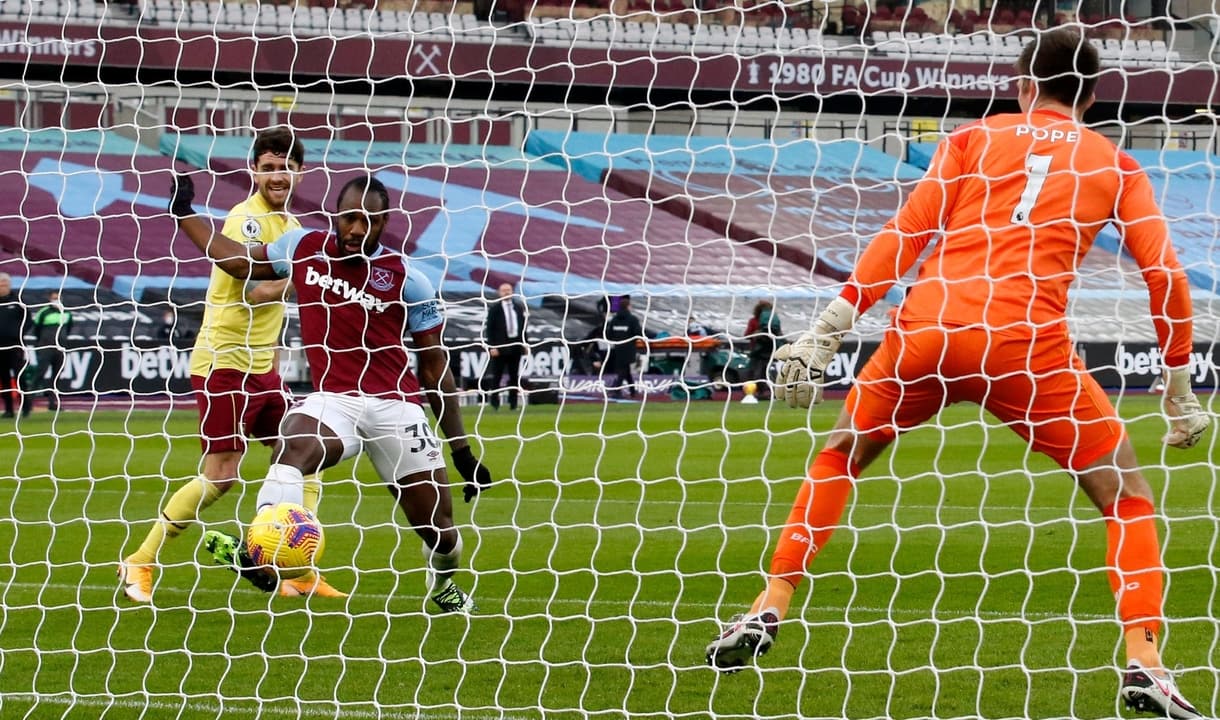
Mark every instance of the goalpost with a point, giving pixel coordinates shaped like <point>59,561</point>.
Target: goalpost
<point>712,161</point>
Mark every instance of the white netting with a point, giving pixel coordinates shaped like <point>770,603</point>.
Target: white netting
<point>700,157</point>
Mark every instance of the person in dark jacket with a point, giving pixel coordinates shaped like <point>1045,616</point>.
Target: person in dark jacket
<point>622,331</point>
<point>505,337</point>
<point>51,324</point>
<point>12,351</point>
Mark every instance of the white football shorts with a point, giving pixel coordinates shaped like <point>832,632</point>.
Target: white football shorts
<point>395,433</point>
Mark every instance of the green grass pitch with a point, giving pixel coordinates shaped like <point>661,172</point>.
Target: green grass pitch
<point>967,582</point>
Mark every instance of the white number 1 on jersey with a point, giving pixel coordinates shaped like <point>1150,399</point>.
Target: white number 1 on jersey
<point>1037,166</point>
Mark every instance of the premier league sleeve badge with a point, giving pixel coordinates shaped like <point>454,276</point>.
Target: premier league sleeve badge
<point>250,229</point>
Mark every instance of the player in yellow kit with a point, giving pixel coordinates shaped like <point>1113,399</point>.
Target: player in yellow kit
<point>237,386</point>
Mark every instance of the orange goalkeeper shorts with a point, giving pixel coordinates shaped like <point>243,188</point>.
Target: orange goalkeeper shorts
<point>1035,385</point>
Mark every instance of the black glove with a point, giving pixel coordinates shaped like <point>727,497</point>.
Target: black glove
<point>475,473</point>
<point>181,195</point>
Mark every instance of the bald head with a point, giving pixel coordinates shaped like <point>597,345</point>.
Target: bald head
<point>506,290</point>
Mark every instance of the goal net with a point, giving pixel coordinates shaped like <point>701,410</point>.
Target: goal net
<point>713,168</point>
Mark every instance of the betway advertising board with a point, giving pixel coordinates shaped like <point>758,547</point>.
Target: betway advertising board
<point>1116,366</point>
<point>121,367</point>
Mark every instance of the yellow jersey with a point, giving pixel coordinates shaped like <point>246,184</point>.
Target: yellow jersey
<point>234,334</point>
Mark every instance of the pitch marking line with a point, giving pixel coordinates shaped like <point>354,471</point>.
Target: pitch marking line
<point>262,708</point>
<point>558,501</point>
<point>593,602</point>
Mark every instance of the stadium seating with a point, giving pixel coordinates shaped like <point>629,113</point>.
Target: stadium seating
<point>764,28</point>
<point>102,201</point>
<point>1186,183</point>
<point>612,241</point>
<point>96,203</point>
<point>747,189</point>
<point>703,39</point>
<point>1006,47</point>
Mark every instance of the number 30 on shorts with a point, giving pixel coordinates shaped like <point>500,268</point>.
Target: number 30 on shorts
<point>424,437</point>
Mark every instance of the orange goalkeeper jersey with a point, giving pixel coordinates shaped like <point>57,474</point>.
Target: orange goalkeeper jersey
<point>1017,200</point>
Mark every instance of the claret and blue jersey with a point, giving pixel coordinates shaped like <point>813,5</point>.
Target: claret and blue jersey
<point>355,313</point>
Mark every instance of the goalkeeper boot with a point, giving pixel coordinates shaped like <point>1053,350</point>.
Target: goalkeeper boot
<point>136,579</point>
<point>230,551</point>
<point>309,584</point>
<point>452,599</point>
<point>1150,692</point>
<point>746,638</point>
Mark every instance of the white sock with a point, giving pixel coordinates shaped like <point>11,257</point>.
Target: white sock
<point>283,484</point>
<point>442,566</point>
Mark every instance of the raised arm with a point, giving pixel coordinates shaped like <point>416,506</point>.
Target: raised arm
<point>234,258</point>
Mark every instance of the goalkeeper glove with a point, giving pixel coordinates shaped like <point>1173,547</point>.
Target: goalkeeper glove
<point>802,372</point>
<point>1187,421</point>
<point>475,473</point>
<point>181,195</point>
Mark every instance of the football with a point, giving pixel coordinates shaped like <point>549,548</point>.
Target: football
<point>287,537</point>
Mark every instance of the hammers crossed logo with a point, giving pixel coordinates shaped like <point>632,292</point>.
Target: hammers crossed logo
<point>427,60</point>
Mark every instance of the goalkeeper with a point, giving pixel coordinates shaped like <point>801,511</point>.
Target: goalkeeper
<point>1016,199</point>
<point>358,299</point>
<point>238,389</point>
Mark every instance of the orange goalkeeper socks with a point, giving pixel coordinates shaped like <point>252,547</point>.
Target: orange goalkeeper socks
<point>815,513</point>
<point>1134,558</point>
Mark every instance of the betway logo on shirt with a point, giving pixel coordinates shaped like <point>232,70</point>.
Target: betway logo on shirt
<point>344,290</point>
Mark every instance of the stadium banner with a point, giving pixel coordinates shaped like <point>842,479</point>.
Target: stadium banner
<point>1132,365</point>
<point>546,359</point>
<point>122,367</point>
<point>303,58</point>
<point>108,367</point>
<point>145,368</point>
<point>1116,366</point>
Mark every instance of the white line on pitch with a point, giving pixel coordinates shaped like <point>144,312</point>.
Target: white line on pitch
<point>1086,511</point>
<point>589,602</point>
<point>233,706</point>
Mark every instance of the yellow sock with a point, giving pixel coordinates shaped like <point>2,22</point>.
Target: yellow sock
<point>778,595</point>
<point>183,508</point>
<point>1142,646</point>
<point>312,492</point>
